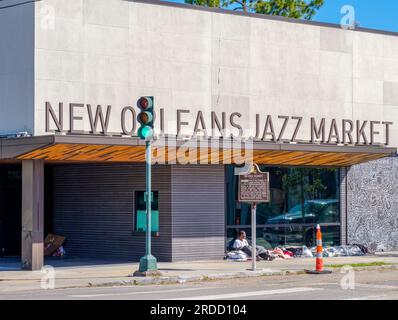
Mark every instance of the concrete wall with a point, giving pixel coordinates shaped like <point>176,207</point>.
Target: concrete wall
<point>16,67</point>
<point>110,52</point>
<point>372,204</point>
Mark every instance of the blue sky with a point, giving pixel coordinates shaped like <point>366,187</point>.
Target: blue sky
<point>373,14</point>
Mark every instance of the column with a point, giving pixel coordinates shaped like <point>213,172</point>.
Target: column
<point>32,214</point>
<point>343,204</point>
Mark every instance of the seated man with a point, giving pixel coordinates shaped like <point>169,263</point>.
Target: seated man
<point>242,244</point>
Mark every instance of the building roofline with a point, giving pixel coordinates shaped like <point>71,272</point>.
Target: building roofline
<point>261,16</point>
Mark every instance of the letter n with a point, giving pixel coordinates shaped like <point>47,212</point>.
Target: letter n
<point>59,122</point>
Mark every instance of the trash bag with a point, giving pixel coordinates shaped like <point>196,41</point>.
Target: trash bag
<point>60,252</point>
<point>329,252</point>
<point>266,256</point>
<point>260,252</point>
<point>340,251</point>
<point>299,251</point>
<point>351,251</point>
<point>364,249</point>
<point>307,252</point>
<point>237,256</point>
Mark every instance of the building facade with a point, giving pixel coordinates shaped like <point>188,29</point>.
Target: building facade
<point>313,104</point>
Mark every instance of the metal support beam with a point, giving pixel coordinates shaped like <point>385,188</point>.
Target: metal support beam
<point>254,236</point>
<point>32,214</point>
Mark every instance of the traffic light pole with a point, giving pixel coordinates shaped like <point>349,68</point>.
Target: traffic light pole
<point>148,158</point>
<point>148,263</point>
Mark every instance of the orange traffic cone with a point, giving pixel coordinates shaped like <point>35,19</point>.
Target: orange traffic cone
<point>319,254</point>
<point>319,249</point>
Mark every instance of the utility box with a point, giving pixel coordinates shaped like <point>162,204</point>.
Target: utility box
<point>141,221</point>
<point>140,211</point>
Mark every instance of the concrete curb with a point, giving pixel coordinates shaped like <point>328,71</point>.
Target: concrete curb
<point>219,276</point>
<point>386,254</point>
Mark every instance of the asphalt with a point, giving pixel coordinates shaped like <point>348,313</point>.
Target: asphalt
<point>364,285</point>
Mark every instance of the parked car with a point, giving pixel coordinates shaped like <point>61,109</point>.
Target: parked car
<point>296,228</point>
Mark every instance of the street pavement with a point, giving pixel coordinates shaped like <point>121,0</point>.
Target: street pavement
<point>352,285</point>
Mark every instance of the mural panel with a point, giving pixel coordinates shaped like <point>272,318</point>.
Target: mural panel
<point>372,203</point>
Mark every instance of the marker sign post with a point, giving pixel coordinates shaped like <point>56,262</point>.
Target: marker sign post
<point>254,189</point>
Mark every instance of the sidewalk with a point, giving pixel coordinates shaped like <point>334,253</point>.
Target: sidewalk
<point>80,273</point>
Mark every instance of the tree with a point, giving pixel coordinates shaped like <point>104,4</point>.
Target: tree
<point>206,3</point>
<point>298,9</point>
<point>289,8</point>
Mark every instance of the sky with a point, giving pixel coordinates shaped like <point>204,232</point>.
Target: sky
<point>373,14</point>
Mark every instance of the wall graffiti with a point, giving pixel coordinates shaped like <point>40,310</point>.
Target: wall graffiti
<point>372,204</point>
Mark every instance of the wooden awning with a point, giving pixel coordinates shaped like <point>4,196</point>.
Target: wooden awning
<point>119,149</point>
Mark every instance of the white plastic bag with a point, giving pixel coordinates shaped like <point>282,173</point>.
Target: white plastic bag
<point>307,252</point>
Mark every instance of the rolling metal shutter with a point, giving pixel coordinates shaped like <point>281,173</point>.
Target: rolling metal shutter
<point>198,212</point>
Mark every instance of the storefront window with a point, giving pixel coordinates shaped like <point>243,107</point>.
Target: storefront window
<point>300,199</point>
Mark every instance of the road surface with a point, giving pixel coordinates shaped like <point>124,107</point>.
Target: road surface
<point>363,285</point>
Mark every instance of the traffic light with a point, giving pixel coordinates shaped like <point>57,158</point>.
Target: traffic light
<point>146,117</point>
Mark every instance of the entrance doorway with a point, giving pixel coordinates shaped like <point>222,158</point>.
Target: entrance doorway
<point>10,209</point>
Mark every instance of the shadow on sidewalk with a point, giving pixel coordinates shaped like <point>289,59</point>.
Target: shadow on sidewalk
<point>10,264</point>
<point>14,263</point>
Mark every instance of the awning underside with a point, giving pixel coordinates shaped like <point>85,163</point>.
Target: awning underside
<point>66,152</point>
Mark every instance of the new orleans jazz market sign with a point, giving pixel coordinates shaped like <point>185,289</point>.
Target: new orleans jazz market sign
<point>330,131</point>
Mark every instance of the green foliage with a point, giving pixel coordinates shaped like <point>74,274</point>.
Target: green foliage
<point>289,8</point>
<point>206,3</point>
<point>359,265</point>
<point>296,178</point>
<point>297,9</point>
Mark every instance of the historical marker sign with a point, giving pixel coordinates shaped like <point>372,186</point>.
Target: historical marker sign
<point>254,187</point>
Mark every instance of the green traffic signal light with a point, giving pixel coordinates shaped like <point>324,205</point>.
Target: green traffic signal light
<point>146,117</point>
<point>145,132</point>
